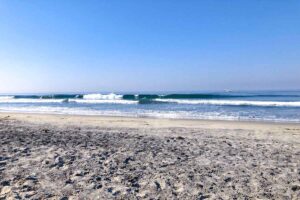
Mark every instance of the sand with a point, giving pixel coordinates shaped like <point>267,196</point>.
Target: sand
<point>89,157</point>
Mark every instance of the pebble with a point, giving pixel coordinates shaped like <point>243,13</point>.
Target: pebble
<point>5,183</point>
<point>78,173</point>
<point>59,161</point>
<point>5,190</point>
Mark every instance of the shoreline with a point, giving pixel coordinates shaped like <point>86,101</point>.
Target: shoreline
<point>24,115</point>
<point>280,131</point>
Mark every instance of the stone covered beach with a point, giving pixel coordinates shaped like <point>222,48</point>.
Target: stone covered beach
<point>77,157</point>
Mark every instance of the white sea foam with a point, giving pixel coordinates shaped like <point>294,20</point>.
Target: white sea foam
<point>103,101</point>
<point>12,100</point>
<point>142,113</point>
<point>82,101</point>
<point>110,96</point>
<point>88,99</point>
<point>233,102</point>
<point>6,97</point>
<point>66,110</point>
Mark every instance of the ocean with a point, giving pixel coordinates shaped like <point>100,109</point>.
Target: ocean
<point>279,106</point>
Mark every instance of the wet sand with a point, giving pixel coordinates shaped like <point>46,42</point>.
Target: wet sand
<point>87,157</point>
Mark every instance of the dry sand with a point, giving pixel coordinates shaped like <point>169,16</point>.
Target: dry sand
<point>87,157</point>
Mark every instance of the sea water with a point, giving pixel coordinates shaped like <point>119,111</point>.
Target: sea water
<point>279,106</point>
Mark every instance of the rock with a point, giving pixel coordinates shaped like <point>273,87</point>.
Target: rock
<point>2,163</point>
<point>126,161</point>
<point>78,173</point>
<point>69,181</point>
<point>29,194</point>
<point>5,183</point>
<point>116,193</point>
<point>295,188</point>
<point>134,182</point>
<point>227,179</point>
<point>180,138</point>
<point>13,196</point>
<point>59,161</point>
<point>25,150</point>
<point>2,158</point>
<point>46,130</point>
<point>157,186</point>
<point>28,185</point>
<point>202,197</point>
<point>46,162</point>
<point>110,190</point>
<point>31,177</point>
<point>5,190</point>
<point>98,178</point>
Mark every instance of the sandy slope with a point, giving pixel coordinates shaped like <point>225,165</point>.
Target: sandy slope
<point>77,157</point>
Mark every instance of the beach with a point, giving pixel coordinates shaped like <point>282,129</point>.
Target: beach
<point>149,100</point>
<point>92,157</point>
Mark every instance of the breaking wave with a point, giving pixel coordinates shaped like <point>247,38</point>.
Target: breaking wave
<point>222,99</point>
<point>110,96</point>
<point>232,102</point>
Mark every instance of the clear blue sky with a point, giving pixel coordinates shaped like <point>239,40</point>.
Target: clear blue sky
<point>162,45</point>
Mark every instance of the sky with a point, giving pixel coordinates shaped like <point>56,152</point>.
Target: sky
<point>55,46</point>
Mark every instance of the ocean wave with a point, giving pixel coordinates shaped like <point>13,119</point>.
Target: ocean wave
<point>233,102</point>
<point>102,101</point>
<point>156,101</point>
<point>113,96</point>
<point>203,96</point>
<point>222,99</point>
<point>6,97</point>
<point>79,101</point>
<point>12,100</point>
<point>50,96</point>
<point>146,113</point>
<point>110,96</point>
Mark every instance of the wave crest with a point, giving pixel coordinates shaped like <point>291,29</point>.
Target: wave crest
<point>233,102</point>
<point>110,96</point>
<point>6,97</point>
